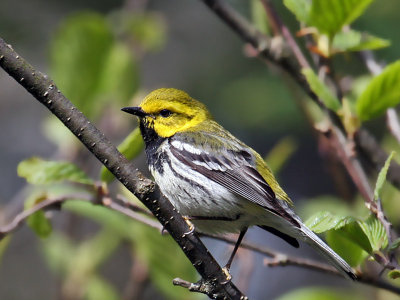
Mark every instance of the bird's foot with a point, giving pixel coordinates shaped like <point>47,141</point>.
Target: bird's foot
<point>190,224</point>
<point>227,274</point>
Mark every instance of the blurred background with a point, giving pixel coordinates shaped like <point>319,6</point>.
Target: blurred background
<point>155,44</point>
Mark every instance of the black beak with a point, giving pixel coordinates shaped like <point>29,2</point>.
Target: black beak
<point>136,110</point>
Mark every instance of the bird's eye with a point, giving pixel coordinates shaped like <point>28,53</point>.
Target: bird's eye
<point>165,113</point>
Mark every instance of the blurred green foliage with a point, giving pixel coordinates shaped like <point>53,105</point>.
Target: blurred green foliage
<point>157,252</point>
<point>243,95</point>
<point>281,153</point>
<point>90,65</point>
<point>131,147</point>
<point>319,293</point>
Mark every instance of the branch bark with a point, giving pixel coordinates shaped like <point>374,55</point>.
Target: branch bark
<point>46,92</point>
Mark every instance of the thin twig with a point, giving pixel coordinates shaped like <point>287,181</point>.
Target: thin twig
<point>19,219</point>
<point>247,245</point>
<point>277,22</point>
<point>54,203</point>
<point>283,260</point>
<point>279,259</point>
<point>199,287</point>
<point>132,214</point>
<point>132,206</point>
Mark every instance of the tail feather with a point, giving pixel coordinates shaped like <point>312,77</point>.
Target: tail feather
<point>290,240</point>
<point>339,263</point>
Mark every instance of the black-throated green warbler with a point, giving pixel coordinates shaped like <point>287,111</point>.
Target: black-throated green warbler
<point>213,179</point>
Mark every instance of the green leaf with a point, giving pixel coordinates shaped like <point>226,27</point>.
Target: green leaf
<point>323,221</point>
<point>355,233</point>
<point>382,176</point>
<point>375,232</point>
<point>38,221</point>
<point>352,40</point>
<point>347,227</point>
<point>394,274</point>
<point>329,16</point>
<point>346,248</point>
<point>300,8</point>
<point>370,42</point>
<point>40,224</point>
<point>382,93</point>
<point>78,52</point>
<point>131,147</point>
<point>38,171</point>
<point>321,90</point>
<point>394,245</point>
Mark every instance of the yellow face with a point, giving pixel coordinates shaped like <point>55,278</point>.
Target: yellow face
<point>169,111</point>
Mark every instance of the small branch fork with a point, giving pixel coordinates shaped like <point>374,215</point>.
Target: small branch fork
<point>47,93</point>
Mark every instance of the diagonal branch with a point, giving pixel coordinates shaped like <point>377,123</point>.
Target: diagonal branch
<point>46,92</point>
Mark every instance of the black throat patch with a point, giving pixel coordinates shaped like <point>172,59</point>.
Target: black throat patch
<point>152,143</point>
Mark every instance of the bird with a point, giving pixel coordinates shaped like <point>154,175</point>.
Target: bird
<point>217,182</point>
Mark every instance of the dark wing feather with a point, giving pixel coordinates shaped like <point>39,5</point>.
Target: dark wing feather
<point>235,173</point>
